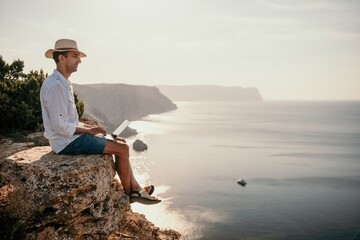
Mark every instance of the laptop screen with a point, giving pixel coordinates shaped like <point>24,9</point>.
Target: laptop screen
<point>121,128</point>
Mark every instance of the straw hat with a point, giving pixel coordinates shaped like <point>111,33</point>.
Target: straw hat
<point>63,45</point>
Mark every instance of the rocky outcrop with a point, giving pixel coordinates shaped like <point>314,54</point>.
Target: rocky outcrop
<point>49,196</point>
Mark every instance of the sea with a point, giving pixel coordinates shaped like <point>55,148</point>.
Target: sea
<point>300,160</point>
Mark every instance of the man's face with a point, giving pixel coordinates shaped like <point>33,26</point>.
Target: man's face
<point>72,61</point>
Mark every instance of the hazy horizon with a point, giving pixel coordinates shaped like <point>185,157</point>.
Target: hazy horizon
<point>298,50</point>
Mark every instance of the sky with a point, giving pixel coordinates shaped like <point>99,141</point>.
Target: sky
<point>288,49</point>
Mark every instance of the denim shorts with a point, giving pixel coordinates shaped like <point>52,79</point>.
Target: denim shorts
<point>85,144</point>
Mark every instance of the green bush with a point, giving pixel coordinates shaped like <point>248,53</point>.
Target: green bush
<point>20,97</point>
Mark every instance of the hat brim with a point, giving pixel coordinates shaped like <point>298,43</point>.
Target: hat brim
<point>49,53</point>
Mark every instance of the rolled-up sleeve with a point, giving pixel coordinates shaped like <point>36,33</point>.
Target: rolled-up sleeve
<point>57,104</point>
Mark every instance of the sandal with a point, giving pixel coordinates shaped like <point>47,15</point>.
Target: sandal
<point>151,191</point>
<point>143,197</point>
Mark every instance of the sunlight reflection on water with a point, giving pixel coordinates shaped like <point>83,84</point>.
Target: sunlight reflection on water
<point>189,222</point>
<point>186,221</point>
<point>161,214</point>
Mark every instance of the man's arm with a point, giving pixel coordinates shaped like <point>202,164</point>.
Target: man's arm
<point>55,102</point>
<point>90,129</point>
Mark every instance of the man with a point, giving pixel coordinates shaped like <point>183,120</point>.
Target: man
<point>63,130</point>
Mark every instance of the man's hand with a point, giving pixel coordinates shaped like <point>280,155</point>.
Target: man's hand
<point>120,139</point>
<point>94,129</point>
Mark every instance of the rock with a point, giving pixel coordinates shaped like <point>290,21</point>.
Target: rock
<point>139,145</point>
<point>49,196</point>
<point>38,139</point>
<point>58,196</point>
<point>8,147</point>
<point>135,224</point>
<point>35,135</point>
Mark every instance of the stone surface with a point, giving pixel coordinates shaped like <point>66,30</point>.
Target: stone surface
<point>49,196</point>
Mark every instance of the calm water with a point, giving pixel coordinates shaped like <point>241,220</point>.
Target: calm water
<point>301,161</point>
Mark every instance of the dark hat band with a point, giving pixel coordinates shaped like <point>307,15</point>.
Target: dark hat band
<point>66,49</point>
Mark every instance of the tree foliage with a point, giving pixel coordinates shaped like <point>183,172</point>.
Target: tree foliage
<point>20,97</point>
<point>80,107</point>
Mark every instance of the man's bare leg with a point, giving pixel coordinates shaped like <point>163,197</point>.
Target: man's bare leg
<point>123,170</point>
<point>132,188</point>
<point>133,184</point>
<point>122,163</point>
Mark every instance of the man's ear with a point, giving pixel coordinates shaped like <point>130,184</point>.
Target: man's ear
<point>61,58</point>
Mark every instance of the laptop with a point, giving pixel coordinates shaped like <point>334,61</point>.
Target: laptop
<point>117,131</point>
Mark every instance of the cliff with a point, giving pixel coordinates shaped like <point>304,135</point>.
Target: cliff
<point>210,93</point>
<point>48,196</point>
<point>110,104</point>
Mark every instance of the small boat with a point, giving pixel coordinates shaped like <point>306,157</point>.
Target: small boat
<point>242,182</point>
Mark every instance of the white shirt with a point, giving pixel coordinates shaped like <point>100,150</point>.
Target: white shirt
<point>59,113</point>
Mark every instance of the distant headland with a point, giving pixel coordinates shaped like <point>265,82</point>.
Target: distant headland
<point>110,104</point>
<point>210,93</point>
